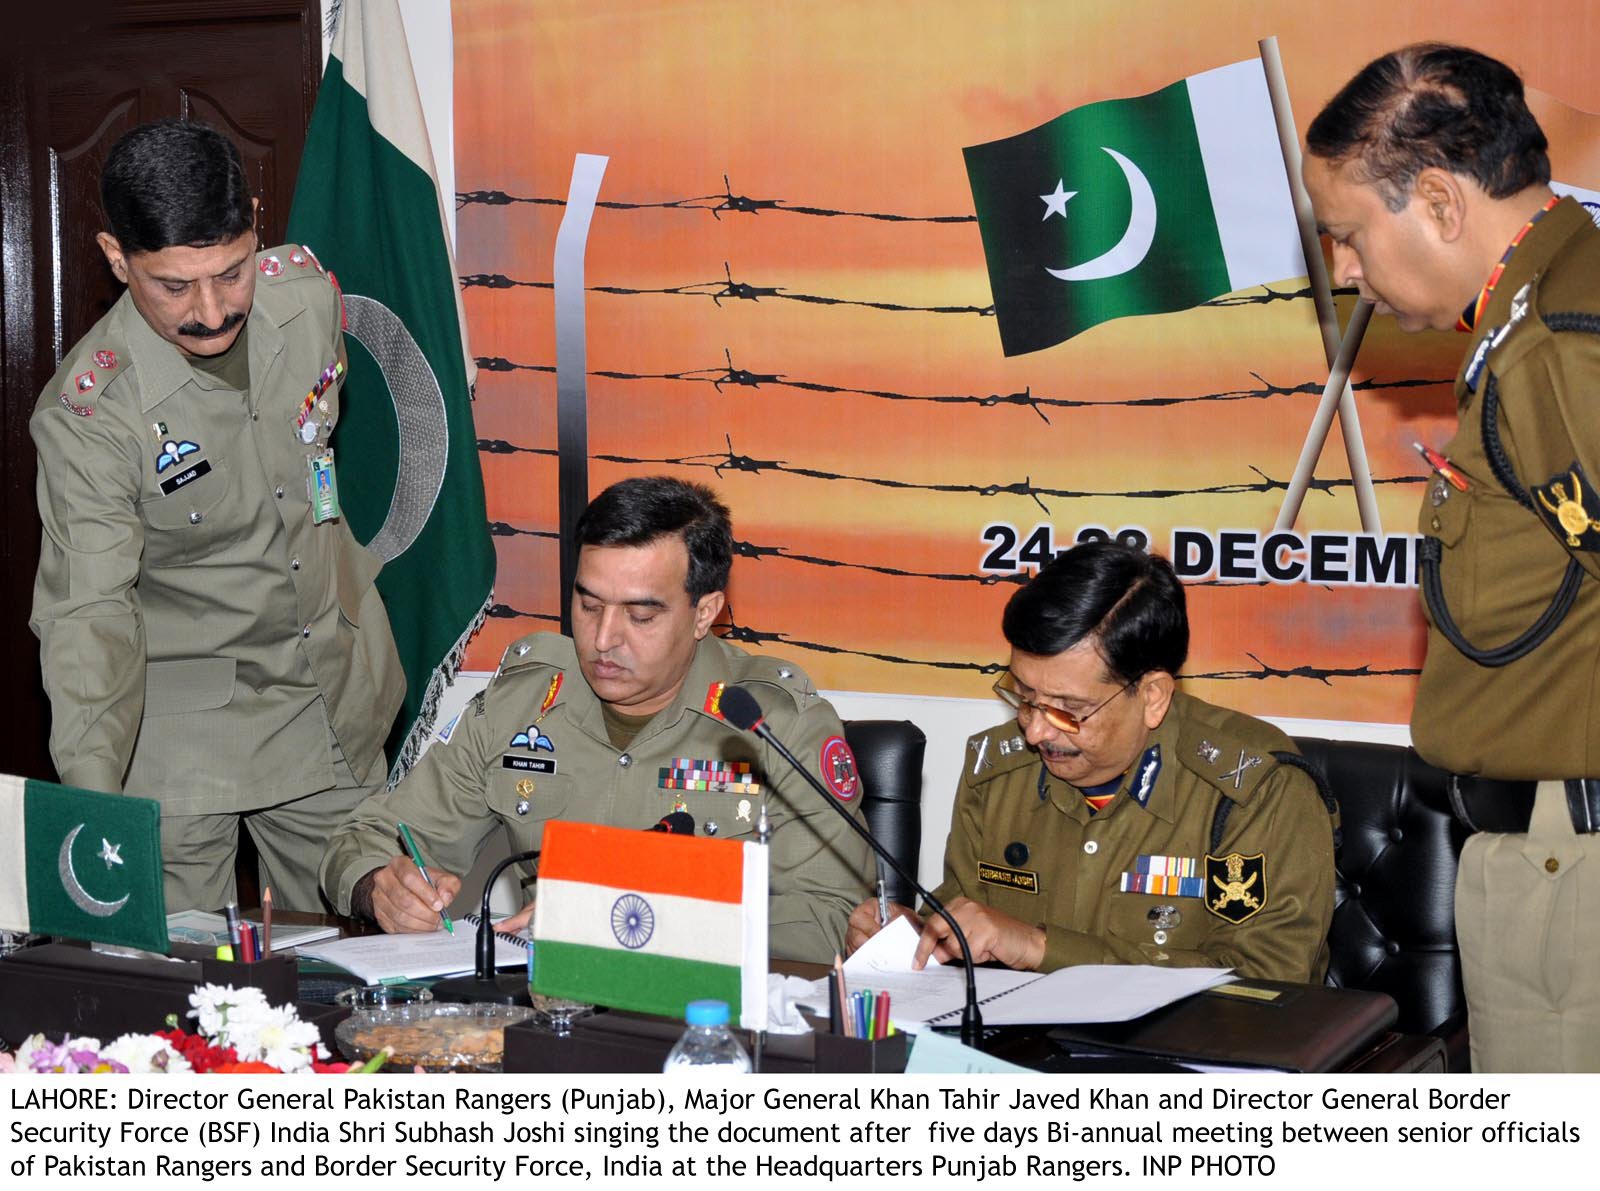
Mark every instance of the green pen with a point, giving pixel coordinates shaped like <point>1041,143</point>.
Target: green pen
<point>416,858</point>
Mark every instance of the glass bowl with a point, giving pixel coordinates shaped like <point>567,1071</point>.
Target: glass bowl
<point>371,997</point>
<point>433,1036</point>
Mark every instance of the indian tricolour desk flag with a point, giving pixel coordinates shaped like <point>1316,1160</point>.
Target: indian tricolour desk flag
<point>649,922</point>
<point>81,864</point>
<point>1135,206</point>
<point>367,203</point>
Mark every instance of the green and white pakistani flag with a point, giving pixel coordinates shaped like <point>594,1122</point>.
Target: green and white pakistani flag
<point>81,864</point>
<point>1135,206</point>
<point>646,921</point>
<point>368,204</point>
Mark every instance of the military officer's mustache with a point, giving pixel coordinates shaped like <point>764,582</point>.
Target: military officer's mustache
<point>201,331</point>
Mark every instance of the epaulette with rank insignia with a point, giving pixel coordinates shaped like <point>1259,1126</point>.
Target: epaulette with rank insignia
<point>999,750</point>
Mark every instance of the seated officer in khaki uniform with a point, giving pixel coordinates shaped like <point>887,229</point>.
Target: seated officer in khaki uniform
<point>619,724</point>
<point>1118,820</point>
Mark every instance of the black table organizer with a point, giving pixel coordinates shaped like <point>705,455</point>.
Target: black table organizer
<point>614,1042</point>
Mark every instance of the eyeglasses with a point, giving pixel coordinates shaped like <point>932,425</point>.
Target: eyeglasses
<point>1058,718</point>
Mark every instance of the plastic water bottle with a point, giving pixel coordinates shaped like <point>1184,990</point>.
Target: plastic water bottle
<point>707,1043</point>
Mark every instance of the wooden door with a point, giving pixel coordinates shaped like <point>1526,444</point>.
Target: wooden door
<point>69,86</point>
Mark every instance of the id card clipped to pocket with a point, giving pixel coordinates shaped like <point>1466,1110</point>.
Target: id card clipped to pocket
<point>322,485</point>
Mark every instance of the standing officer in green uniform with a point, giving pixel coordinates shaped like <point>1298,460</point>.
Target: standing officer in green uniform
<point>1431,177</point>
<point>620,724</point>
<point>209,629</point>
<point>1117,820</point>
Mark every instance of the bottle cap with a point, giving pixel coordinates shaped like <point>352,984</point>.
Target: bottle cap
<point>706,1013</point>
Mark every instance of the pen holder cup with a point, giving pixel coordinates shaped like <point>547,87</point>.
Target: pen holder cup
<point>277,976</point>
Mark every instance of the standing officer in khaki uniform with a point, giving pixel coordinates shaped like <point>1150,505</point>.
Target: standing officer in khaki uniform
<point>1117,820</point>
<point>1431,177</point>
<point>209,629</point>
<point>620,724</point>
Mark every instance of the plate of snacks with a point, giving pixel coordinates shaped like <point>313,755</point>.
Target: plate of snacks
<point>433,1036</point>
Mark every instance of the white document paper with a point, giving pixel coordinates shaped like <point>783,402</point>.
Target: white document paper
<point>1076,995</point>
<point>379,958</point>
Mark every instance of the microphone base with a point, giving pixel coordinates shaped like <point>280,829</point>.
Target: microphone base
<point>508,988</point>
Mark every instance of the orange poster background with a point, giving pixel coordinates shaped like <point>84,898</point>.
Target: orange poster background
<point>867,439</point>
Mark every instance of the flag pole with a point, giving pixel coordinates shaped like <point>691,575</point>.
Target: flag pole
<point>1317,435</point>
<point>1327,321</point>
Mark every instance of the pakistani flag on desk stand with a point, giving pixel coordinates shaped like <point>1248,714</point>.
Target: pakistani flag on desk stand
<point>649,922</point>
<point>1135,206</point>
<point>368,205</point>
<point>81,864</point>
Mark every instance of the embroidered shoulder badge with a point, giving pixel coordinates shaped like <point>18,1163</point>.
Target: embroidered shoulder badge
<point>1236,885</point>
<point>270,266</point>
<point>1572,507</point>
<point>105,359</point>
<point>713,703</point>
<point>83,411</point>
<point>838,766</point>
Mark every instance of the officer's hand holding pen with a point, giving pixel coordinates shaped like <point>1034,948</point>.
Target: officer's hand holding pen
<point>403,902</point>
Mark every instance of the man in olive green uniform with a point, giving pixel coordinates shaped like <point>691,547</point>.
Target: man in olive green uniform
<point>1432,179</point>
<point>1117,820</point>
<point>620,725</point>
<point>209,638</point>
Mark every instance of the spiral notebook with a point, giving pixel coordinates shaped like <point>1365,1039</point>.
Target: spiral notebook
<point>380,959</point>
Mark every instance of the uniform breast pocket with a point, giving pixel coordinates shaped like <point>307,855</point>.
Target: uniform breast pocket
<point>719,816</point>
<point>524,799</point>
<point>1158,925</point>
<point>193,516</point>
<point>1447,515</point>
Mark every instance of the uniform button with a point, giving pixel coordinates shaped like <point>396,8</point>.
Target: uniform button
<point>625,760</point>
<point>785,672</point>
<point>1552,865</point>
<point>194,517</point>
<point>522,806</point>
<point>254,416</point>
<point>1435,523</point>
<point>1161,936</point>
<point>1396,835</point>
<point>306,632</point>
<point>1392,947</point>
<point>294,564</point>
<point>522,649</point>
<point>1090,847</point>
<point>278,492</point>
<point>711,827</point>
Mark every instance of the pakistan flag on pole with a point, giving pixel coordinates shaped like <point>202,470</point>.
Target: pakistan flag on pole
<point>368,204</point>
<point>1135,206</point>
<point>81,864</point>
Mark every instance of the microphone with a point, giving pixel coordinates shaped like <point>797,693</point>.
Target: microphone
<point>483,984</point>
<point>512,989</point>
<point>739,708</point>
<point>677,823</point>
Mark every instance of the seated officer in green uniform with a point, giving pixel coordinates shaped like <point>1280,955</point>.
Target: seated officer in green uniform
<point>620,724</point>
<point>210,635</point>
<point>1117,820</point>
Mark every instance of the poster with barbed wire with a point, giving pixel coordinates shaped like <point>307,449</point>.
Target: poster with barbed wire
<point>929,291</point>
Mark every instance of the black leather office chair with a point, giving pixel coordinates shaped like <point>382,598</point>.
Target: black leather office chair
<point>889,756</point>
<point>1394,905</point>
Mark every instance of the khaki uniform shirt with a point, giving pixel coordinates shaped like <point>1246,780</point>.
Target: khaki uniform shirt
<point>503,763</point>
<point>1539,716</point>
<point>203,643</point>
<point>1133,883</point>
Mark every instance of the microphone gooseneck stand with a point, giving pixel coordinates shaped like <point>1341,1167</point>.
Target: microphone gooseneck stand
<point>740,709</point>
